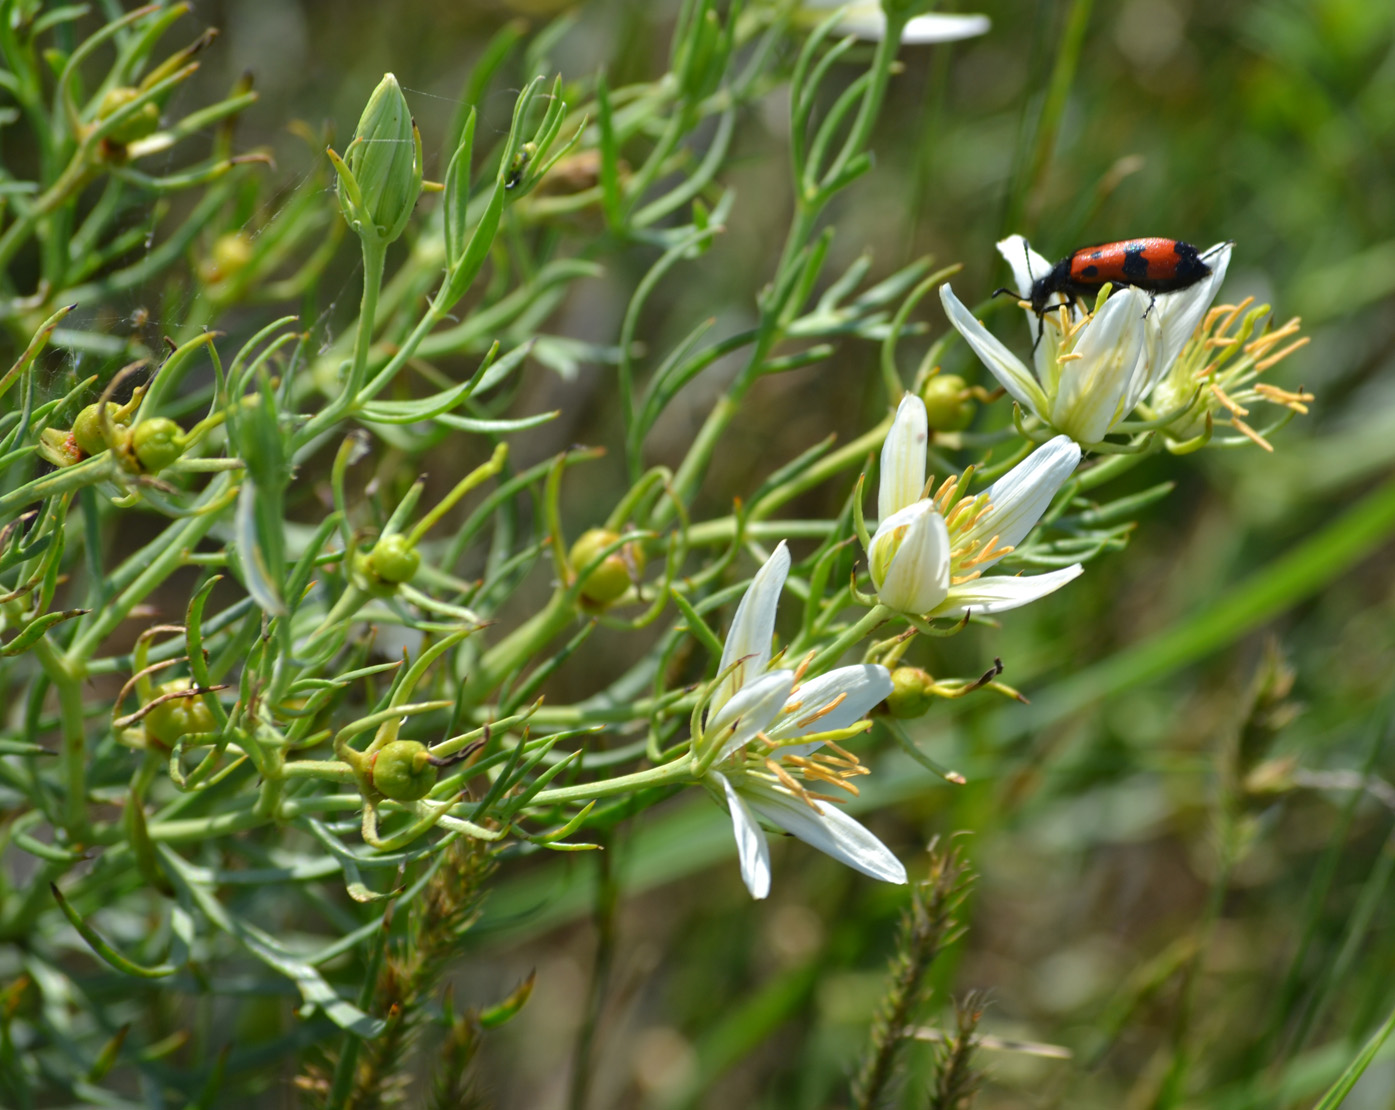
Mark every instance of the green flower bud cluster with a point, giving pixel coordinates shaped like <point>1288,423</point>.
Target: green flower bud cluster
<point>617,571</point>
<point>380,174</point>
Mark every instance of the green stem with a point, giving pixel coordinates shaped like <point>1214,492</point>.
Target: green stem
<point>877,615</point>
<point>871,105</point>
<point>374,254</point>
<point>677,771</point>
<point>73,750</point>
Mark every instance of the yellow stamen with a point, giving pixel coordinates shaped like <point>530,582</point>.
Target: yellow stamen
<point>823,774</point>
<point>1285,397</point>
<point>1261,344</point>
<point>1222,340</point>
<point>1234,315</point>
<point>1245,430</point>
<point>786,779</point>
<point>838,749</point>
<point>1228,402</point>
<point>990,550</point>
<point>1071,357</point>
<point>960,579</point>
<point>824,712</point>
<point>800,670</point>
<point>1264,364</point>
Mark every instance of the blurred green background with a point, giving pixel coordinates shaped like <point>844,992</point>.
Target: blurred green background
<point>1188,948</point>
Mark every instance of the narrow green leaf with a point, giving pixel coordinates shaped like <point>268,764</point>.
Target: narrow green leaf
<point>99,944</point>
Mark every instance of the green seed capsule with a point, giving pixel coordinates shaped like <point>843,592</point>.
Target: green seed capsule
<point>949,406</point>
<point>87,428</point>
<point>401,770</point>
<point>170,720</point>
<point>617,571</point>
<point>910,693</point>
<point>157,442</point>
<point>393,560</point>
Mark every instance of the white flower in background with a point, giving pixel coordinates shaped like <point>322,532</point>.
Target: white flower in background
<point>770,736</point>
<point>928,554</point>
<point>866,20</point>
<point>1091,369</point>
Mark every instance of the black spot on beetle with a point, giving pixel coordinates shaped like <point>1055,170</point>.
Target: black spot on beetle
<point>1135,265</point>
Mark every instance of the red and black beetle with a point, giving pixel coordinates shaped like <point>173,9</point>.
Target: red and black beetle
<point>1153,265</point>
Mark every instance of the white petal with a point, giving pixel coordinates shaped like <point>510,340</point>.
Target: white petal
<point>1092,388</point>
<point>755,707</point>
<point>915,578</point>
<point>830,830</point>
<point>1020,496</point>
<point>1181,312</point>
<point>864,684</point>
<point>1000,592</point>
<point>753,626</point>
<point>1026,264</point>
<point>903,458</point>
<point>751,847</point>
<point>1151,366</point>
<point>945,28</point>
<point>1004,365</point>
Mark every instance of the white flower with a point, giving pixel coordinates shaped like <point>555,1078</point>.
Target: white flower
<point>928,553</point>
<point>866,20</point>
<point>1091,370</point>
<point>763,730</point>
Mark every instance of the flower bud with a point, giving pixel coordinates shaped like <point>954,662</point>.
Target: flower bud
<point>145,121</point>
<point>380,177</point>
<point>157,442</point>
<point>911,693</point>
<point>170,720</point>
<point>949,407</point>
<point>402,770</point>
<point>618,570</point>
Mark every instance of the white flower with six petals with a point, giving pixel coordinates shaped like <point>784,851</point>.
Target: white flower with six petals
<point>928,554</point>
<point>763,733</point>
